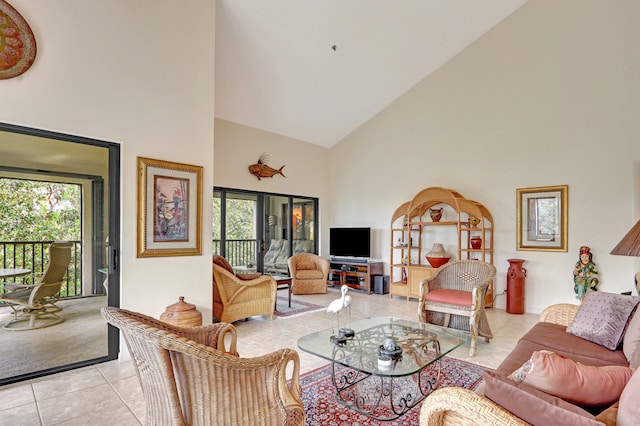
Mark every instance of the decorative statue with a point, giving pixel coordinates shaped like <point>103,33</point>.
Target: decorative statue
<point>585,273</point>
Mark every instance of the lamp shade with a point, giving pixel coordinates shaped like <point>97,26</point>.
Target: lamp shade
<point>630,243</point>
<point>272,220</point>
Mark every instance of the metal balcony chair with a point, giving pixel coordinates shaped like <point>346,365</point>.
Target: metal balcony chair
<point>34,305</point>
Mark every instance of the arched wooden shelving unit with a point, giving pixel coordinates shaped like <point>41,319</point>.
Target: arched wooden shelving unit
<point>410,240</point>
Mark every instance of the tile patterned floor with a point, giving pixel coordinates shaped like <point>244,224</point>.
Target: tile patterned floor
<point>109,394</point>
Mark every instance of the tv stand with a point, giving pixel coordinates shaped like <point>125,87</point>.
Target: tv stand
<point>356,273</point>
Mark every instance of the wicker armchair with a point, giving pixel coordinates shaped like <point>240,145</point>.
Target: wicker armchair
<point>309,273</point>
<point>188,379</point>
<point>454,297</point>
<point>235,298</point>
<point>463,407</point>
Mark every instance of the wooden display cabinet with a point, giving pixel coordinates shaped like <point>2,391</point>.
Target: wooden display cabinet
<point>411,237</point>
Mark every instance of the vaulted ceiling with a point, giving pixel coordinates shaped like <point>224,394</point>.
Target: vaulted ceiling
<point>316,70</point>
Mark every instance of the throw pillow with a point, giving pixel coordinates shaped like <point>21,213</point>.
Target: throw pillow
<point>602,318</point>
<point>573,381</point>
<point>628,408</point>
<point>631,339</point>
<point>222,262</point>
<point>532,405</point>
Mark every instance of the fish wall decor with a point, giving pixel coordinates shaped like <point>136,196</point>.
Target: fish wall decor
<point>260,169</point>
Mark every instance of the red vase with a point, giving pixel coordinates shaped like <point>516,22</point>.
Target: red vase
<point>515,286</point>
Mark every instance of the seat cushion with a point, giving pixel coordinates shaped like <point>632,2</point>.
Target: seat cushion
<point>555,338</point>
<point>450,297</point>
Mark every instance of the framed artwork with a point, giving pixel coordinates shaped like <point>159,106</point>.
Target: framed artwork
<point>169,209</point>
<point>542,218</point>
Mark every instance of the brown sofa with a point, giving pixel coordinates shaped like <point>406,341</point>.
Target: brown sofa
<point>506,402</point>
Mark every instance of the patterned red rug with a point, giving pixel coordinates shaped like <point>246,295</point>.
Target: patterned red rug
<point>318,395</point>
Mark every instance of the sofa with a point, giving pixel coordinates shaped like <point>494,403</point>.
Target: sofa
<point>576,366</point>
<point>277,255</point>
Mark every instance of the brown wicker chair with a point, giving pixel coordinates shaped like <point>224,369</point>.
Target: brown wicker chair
<point>462,407</point>
<point>235,298</point>
<point>309,273</point>
<point>188,379</point>
<point>454,297</point>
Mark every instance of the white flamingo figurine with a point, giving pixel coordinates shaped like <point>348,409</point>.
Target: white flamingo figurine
<point>336,306</point>
<point>347,306</point>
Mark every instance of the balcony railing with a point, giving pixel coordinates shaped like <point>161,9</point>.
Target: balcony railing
<point>34,255</point>
<point>238,252</point>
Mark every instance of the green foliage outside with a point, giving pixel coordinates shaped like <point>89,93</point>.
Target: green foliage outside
<point>39,211</point>
<point>240,219</point>
<point>34,211</point>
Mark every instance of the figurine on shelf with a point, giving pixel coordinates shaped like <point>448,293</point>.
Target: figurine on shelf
<point>585,273</point>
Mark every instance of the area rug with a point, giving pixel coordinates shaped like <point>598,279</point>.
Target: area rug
<point>297,307</point>
<point>318,395</point>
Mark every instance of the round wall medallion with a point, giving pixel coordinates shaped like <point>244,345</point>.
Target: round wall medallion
<point>17,43</point>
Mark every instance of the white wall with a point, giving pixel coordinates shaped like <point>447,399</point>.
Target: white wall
<point>548,97</point>
<point>136,73</point>
<point>306,166</point>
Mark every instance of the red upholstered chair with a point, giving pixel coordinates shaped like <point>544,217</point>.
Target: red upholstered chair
<point>454,297</point>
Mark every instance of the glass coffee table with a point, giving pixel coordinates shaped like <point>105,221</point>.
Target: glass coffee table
<point>387,367</point>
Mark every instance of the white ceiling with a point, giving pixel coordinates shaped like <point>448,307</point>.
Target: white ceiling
<point>276,69</point>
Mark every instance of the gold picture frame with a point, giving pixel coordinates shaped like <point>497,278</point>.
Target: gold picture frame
<point>542,218</point>
<point>169,209</point>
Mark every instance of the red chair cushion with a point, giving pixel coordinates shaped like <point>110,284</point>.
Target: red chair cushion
<point>450,297</point>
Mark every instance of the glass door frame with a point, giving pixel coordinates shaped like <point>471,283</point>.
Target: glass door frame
<point>262,227</point>
<point>113,234</point>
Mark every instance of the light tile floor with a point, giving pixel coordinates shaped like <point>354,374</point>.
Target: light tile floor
<point>109,393</point>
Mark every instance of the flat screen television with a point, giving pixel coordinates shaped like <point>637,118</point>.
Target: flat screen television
<point>350,242</point>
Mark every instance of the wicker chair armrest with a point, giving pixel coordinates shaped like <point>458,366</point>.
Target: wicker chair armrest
<point>274,367</point>
<point>212,335</point>
<point>454,406</point>
<point>561,314</point>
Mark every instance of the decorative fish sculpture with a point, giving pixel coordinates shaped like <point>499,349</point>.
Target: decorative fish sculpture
<point>260,169</point>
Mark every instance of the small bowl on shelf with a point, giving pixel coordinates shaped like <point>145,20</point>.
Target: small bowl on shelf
<point>437,262</point>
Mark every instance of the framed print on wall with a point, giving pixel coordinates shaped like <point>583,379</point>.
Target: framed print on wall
<point>169,209</point>
<point>542,218</point>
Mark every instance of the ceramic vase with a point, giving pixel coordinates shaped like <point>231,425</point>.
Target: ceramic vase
<point>476,242</point>
<point>436,214</point>
<point>515,286</point>
<point>437,256</point>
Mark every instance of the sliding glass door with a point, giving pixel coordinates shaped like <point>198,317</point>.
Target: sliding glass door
<point>258,232</point>
<point>55,186</point>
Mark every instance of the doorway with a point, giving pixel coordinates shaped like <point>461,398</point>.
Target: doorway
<point>56,161</point>
<point>259,231</point>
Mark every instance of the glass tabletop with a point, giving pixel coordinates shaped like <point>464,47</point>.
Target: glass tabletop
<point>417,345</point>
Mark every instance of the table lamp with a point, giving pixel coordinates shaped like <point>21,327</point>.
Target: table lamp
<point>630,246</point>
